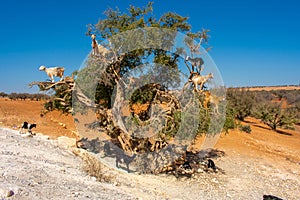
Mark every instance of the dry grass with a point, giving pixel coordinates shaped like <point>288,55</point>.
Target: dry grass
<point>94,167</point>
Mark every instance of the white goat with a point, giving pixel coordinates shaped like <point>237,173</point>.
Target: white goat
<point>53,71</point>
<point>200,80</point>
<point>97,48</point>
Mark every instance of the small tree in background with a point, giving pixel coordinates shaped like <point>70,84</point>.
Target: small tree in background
<point>297,110</point>
<point>3,94</point>
<point>274,116</point>
<point>230,121</point>
<point>241,102</point>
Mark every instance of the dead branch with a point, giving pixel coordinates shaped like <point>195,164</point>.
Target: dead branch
<point>188,67</point>
<point>48,85</point>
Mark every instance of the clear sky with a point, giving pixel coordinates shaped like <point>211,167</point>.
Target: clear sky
<point>255,42</point>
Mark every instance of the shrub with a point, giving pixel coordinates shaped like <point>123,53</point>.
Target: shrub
<point>245,128</point>
<point>230,122</point>
<point>274,116</point>
<point>241,101</point>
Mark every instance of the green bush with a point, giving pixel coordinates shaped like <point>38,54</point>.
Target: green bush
<point>245,128</point>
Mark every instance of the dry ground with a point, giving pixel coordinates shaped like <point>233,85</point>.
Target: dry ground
<point>263,162</point>
<point>269,88</point>
<point>54,124</point>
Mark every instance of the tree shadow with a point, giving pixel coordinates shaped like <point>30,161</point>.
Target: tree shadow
<point>277,131</point>
<point>93,145</point>
<point>109,149</point>
<point>284,133</point>
<point>261,126</point>
<point>121,158</point>
<point>249,122</point>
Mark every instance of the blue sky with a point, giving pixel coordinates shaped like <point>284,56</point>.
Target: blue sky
<point>254,42</point>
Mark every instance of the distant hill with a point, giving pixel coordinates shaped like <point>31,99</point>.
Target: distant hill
<point>270,88</point>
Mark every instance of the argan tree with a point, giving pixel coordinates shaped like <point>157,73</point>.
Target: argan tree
<point>116,67</point>
<point>95,85</point>
<point>241,102</point>
<point>273,115</point>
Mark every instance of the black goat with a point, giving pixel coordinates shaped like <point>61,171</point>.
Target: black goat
<point>186,165</point>
<point>211,164</point>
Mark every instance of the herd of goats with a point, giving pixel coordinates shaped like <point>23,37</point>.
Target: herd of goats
<point>97,49</point>
<point>195,77</point>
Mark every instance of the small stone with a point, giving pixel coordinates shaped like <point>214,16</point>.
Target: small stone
<point>200,170</point>
<point>116,184</point>
<point>10,193</point>
<point>210,170</point>
<point>228,195</point>
<point>76,194</point>
<point>214,180</point>
<point>93,178</point>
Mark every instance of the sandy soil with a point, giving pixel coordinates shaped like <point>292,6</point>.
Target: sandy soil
<point>54,124</point>
<point>263,162</point>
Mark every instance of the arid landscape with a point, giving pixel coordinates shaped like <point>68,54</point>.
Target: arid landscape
<point>143,100</point>
<point>263,162</point>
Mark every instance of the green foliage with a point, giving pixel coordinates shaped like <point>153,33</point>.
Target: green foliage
<point>230,121</point>
<point>103,95</point>
<point>241,101</point>
<point>117,22</point>
<point>193,121</point>
<point>274,116</point>
<point>145,94</point>
<point>3,94</point>
<point>245,128</point>
<point>297,110</point>
<point>172,126</point>
<point>61,100</point>
<point>204,121</point>
<point>114,25</point>
<point>98,80</point>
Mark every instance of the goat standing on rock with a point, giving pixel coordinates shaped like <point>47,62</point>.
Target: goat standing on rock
<point>53,71</point>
